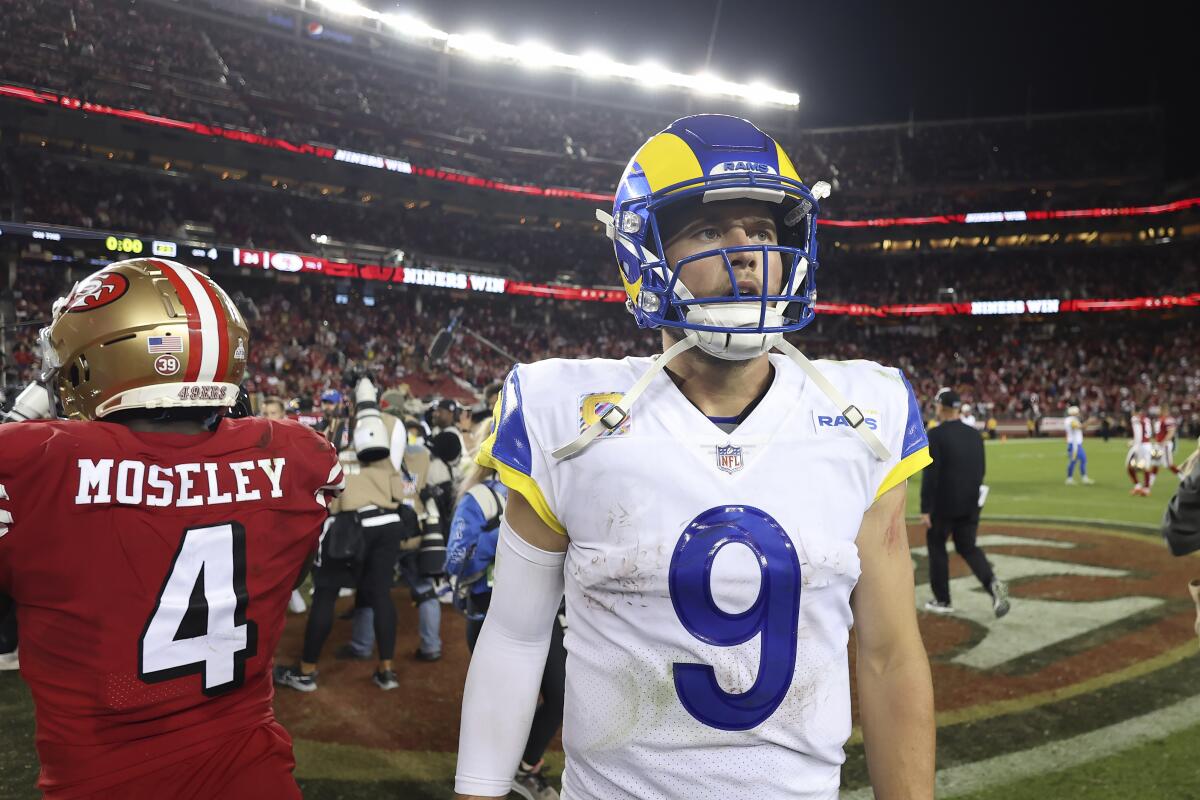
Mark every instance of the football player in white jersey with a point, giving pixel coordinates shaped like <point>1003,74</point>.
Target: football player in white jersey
<point>720,515</point>
<point>1075,451</point>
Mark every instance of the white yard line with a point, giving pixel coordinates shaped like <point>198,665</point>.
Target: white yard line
<point>1059,755</point>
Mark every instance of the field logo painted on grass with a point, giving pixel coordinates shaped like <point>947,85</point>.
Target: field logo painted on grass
<point>1033,623</point>
<point>1091,608</point>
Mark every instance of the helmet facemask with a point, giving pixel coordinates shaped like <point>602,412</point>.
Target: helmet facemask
<point>737,325</point>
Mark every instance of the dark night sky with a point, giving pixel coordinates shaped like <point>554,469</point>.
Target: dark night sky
<point>856,62</point>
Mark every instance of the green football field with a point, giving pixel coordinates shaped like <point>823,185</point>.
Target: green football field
<point>1153,750</point>
<point>1027,481</point>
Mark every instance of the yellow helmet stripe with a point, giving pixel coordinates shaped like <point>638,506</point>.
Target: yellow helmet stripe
<point>666,160</point>
<point>786,170</point>
<point>631,289</point>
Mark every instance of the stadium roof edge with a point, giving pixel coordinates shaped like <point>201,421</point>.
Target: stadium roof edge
<point>248,24</point>
<point>356,15</point>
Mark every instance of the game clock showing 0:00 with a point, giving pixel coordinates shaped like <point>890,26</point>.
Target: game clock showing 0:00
<point>119,244</point>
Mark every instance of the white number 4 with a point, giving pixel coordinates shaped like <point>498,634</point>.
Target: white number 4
<point>206,587</point>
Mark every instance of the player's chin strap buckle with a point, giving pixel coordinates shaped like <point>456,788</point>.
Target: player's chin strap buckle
<point>613,417</point>
<point>852,415</point>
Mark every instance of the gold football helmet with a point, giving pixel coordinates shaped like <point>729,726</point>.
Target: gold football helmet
<point>144,333</point>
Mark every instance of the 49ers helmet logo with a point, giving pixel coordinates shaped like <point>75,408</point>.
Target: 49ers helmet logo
<point>96,291</point>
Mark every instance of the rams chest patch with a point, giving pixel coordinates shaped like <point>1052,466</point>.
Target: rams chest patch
<point>592,406</point>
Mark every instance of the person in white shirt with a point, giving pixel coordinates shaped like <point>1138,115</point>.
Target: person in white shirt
<point>718,539</point>
<point>1075,452</point>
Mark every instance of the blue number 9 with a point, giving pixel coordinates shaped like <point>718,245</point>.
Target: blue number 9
<point>774,614</point>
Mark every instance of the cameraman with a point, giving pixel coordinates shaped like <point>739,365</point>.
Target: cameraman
<point>359,545</point>
<point>334,424</point>
<point>422,552</point>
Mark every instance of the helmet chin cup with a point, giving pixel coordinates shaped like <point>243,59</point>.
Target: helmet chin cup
<point>734,345</point>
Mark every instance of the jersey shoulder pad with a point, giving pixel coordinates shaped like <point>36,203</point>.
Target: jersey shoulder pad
<point>886,399</point>
<point>559,395</point>
<point>541,407</point>
<point>316,456</point>
<point>43,440</point>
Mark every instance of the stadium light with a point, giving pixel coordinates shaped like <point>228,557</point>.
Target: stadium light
<point>759,92</point>
<point>537,55</point>
<point>652,74</point>
<point>349,8</point>
<point>409,25</point>
<point>707,83</point>
<point>596,65</point>
<point>481,45</point>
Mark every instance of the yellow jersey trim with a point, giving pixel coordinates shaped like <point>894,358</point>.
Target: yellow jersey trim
<point>909,465</point>
<point>519,482</point>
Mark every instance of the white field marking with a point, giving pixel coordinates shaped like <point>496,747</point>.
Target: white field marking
<point>1032,624</point>
<point>1059,755</point>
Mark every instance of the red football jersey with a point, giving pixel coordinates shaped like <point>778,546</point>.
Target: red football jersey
<point>151,573</point>
<point>1164,428</point>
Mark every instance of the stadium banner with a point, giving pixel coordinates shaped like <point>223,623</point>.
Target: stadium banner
<point>1053,425</point>
<point>402,166</point>
<point>103,247</point>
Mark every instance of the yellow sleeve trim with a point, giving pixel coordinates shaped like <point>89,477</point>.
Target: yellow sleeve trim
<point>909,465</point>
<point>519,482</point>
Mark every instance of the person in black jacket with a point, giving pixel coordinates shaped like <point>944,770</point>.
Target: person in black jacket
<point>950,502</point>
<point>1181,520</point>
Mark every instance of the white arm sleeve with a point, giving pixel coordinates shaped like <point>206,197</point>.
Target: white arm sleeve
<point>506,667</point>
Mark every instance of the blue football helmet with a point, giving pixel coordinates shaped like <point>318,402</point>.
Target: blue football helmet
<point>710,158</point>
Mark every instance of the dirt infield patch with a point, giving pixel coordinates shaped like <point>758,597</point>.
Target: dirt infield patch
<point>1091,609</point>
<point>422,714</point>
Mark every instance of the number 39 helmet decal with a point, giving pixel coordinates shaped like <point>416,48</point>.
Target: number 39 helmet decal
<point>144,333</point>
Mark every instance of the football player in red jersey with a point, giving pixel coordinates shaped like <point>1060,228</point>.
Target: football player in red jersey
<point>150,545</point>
<point>1140,452</point>
<point>1165,426</point>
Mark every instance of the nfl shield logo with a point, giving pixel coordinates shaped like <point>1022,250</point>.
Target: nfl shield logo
<point>729,458</point>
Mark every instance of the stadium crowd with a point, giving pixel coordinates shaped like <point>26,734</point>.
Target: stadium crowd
<point>111,196</point>
<point>1010,368</point>
<point>252,76</point>
<point>215,68</point>
<point>119,197</point>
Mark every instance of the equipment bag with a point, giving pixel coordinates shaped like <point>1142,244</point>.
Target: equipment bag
<point>344,539</point>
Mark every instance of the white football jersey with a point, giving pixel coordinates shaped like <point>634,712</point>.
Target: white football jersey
<point>708,575</point>
<point>1074,430</point>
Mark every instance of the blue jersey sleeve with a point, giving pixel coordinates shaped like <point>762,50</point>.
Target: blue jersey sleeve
<point>514,452</point>
<point>909,445</point>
